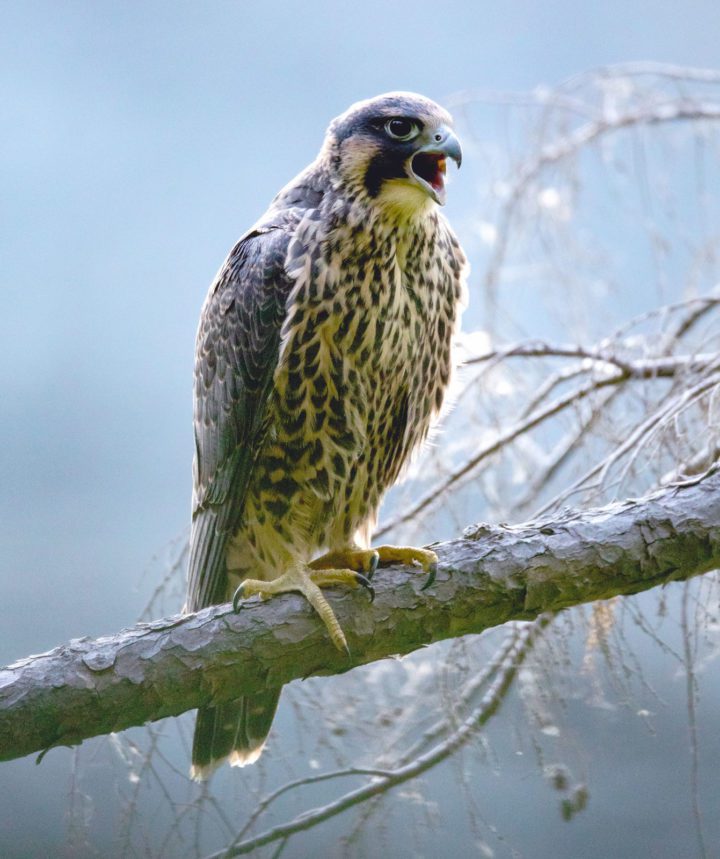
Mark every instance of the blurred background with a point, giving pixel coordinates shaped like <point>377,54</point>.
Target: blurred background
<point>138,142</point>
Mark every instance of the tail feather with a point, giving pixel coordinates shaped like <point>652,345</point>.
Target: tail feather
<point>236,731</point>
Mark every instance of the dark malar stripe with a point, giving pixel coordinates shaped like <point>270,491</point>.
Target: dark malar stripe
<point>384,166</point>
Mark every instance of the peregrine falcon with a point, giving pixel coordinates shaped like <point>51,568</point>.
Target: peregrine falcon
<point>322,358</point>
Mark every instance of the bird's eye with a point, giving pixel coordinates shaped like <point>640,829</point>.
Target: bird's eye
<point>400,128</point>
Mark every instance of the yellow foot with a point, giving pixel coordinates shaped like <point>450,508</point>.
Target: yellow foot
<point>367,560</point>
<point>409,555</point>
<point>308,582</point>
<point>363,560</point>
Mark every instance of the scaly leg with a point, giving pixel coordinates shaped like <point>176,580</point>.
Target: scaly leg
<point>367,560</point>
<point>363,560</point>
<point>308,582</point>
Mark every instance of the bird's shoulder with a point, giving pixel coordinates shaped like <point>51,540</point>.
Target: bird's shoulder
<point>238,341</point>
<point>253,280</point>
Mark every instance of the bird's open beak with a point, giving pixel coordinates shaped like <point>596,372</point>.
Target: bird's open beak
<point>428,165</point>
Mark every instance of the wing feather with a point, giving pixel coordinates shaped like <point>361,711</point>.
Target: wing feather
<point>235,360</point>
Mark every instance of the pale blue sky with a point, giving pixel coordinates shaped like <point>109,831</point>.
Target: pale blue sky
<point>139,140</point>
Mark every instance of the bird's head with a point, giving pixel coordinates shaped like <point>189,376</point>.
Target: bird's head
<point>393,149</point>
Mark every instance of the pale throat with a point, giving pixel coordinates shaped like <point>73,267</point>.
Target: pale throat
<point>404,201</point>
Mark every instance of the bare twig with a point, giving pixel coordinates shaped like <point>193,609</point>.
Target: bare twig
<point>675,110</point>
<point>503,440</point>
<point>601,469</point>
<point>489,705</point>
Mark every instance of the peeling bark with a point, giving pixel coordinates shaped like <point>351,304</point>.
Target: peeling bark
<point>495,573</point>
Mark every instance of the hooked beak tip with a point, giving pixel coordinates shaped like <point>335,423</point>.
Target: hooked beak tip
<point>451,147</point>
<point>428,165</point>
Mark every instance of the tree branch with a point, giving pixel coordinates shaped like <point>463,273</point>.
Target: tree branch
<point>502,440</point>
<point>492,575</point>
<point>666,367</point>
<point>412,768</point>
<point>676,110</point>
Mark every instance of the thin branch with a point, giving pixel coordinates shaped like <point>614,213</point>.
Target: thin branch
<point>601,469</point>
<point>489,705</point>
<point>304,782</point>
<point>675,110</point>
<point>563,451</point>
<point>503,440</point>
<point>697,307</point>
<point>499,658</point>
<point>695,465</point>
<point>662,70</point>
<point>617,372</point>
<point>691,692</point>
<point>640,368</point>
<point>449,722</point>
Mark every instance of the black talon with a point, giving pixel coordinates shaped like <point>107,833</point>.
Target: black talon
<point>365,582</point>
<point>432,570</point>
<point>374,561</point>
<point>236,599</point>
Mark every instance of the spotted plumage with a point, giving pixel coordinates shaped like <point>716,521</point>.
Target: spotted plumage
<point>323,354</point>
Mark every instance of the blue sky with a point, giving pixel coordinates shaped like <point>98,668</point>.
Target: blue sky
<point>139,140</point>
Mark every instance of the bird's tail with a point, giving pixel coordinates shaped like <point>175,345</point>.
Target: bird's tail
<point>236,731</point>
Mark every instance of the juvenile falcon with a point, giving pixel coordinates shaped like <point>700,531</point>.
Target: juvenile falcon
<point>322,358</point>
